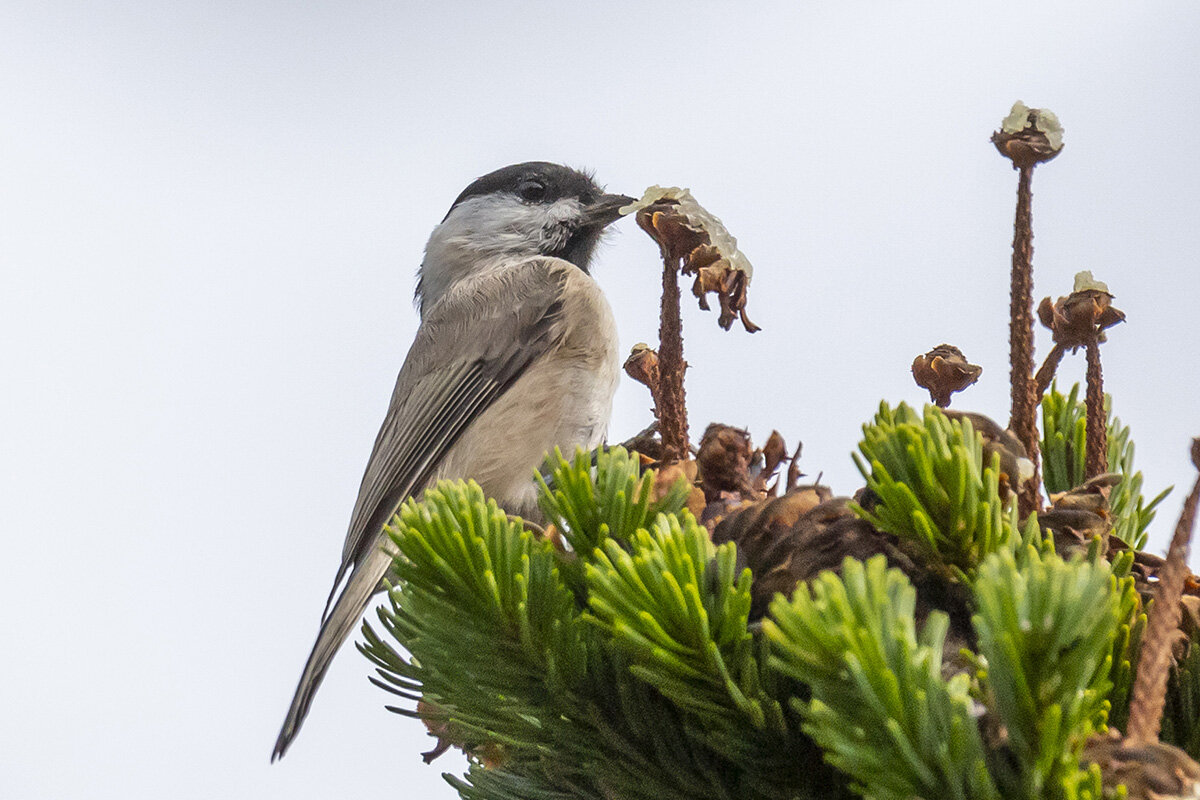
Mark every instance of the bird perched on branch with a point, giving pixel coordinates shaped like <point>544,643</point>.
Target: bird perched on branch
<point>516,355</point>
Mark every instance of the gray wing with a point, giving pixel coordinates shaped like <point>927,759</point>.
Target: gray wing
<point>470,349</point>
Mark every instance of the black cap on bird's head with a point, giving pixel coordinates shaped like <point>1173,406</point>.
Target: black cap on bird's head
<point>534,182</point>
<point>520,211</point>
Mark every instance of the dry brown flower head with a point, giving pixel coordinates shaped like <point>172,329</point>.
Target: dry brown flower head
<point>689,235</point>
<point>1082,316</point>
<point>943,371</point>
<point>1029,136</point>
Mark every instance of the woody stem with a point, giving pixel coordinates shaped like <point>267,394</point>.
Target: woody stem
<point>670,399</point>
<point>1024,400</point>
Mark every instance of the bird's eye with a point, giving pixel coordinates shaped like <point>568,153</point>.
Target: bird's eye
<point>532,191</point>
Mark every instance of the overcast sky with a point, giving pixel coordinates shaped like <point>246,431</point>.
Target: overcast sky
<point>210,219</point>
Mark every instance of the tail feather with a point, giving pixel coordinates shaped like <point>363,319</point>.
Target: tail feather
<point>336,626</point>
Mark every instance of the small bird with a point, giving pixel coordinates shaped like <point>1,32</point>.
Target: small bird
<point>516,354</point>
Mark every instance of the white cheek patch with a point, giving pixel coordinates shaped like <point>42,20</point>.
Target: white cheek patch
<point>563,210</point>
<point>503,224</point>
<point>559,222</point>
<point>493,229</point>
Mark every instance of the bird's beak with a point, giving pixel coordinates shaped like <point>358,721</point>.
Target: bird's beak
<point>606,210</point>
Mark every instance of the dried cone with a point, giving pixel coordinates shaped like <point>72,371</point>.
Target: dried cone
<point>670,473</point>
<point>774,453</point>
<point>1029,136</point>
<point>449,735</point>
<point>1079,320</point>
<point>714,274</point>
<point>1077,516</point>
<point>684,242</point>
<point>734,473</point>
<point>642,366</point>
<point>1189,626</point>
<point>675,235</point>
<point>724,461</point>
<point>792,539</point>
<point>1081,317</point>
<point>943,371</point>
<point>1146,770</point>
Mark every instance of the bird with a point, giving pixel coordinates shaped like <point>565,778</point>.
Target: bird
<point>516,354</point>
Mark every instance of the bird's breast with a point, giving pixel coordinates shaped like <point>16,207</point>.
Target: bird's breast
<point>562,400</point>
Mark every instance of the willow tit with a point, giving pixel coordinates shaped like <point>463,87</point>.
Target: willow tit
<point>516,354</point>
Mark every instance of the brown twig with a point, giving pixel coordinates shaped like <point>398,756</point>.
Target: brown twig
<point>1150,686</point>
<point>793,473</point>
<point>1024,400</point>
<point>1027,137</point>
<point>671,401</point>
<point>1096,460</point>
<point>1045,373</point>
<point>675,240</point>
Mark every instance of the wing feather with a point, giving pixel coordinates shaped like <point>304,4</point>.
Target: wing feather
<point>471,347</point>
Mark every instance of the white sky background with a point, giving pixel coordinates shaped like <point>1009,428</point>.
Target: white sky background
<point>210,219</point>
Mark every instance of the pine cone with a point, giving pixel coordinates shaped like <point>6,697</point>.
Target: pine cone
<point>1150,771</point>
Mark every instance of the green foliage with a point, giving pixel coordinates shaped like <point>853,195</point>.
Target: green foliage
<point>1131,513</point>
<point>678,607</point>
<point>1126,646</point>
<point>675,608</point>
<point>1046,629</point>
<point>1064,439</point>
<point>614,499</point>
<point>644,682</point>
<point>935,490</point>
<point>481,599</point>
<point>1063,444</point>
<point>883,713</point>
<point>623,665</point>
<point>879,707</point>
<point>1181,718</point>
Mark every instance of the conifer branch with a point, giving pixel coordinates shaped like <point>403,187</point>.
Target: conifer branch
<point>1150,687</point>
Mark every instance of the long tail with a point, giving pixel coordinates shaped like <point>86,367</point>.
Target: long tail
<point>335,628</point>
